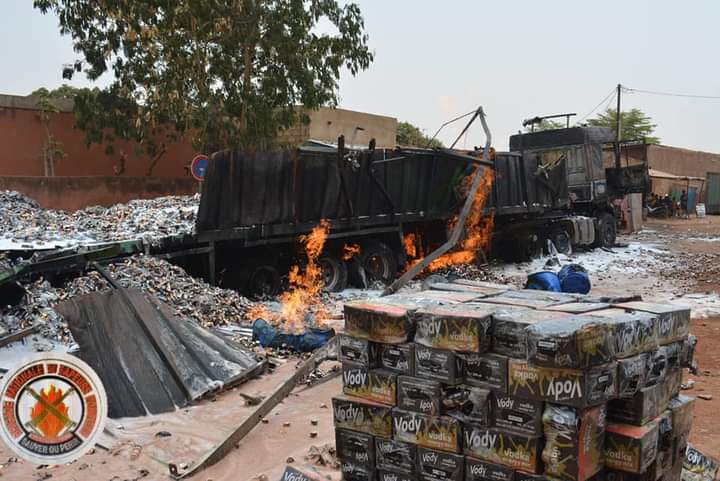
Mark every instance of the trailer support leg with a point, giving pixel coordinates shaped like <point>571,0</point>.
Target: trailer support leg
<point>211,264</point>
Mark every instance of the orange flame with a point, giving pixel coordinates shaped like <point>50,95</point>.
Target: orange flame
<point>306,287</point>
<point>350,251</point>
<point>50,426</point>
<point>478,228</point>
<point>258,311</point>
<point>410,241</point>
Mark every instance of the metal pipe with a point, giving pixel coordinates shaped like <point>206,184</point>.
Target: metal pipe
<point>459,226</point>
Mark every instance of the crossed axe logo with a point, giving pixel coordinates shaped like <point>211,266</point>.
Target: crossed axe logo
<point>50,409</point>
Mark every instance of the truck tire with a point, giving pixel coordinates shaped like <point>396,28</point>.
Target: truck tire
<point>379,262</point>
<point>605,231</point>
<point>264,281</point>
<point>335,273</point>
<point>562,240</point>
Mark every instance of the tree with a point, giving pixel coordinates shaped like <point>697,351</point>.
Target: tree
<point>634,125</point>
<point>545,124</point>
<point>408,134</point>
<point>47,102</point>
<point>229,73</point>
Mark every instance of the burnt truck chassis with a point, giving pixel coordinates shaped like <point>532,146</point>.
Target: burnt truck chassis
<point>255,206</point>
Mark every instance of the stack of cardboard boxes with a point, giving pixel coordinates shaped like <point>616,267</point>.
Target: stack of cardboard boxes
<point>479,383</point>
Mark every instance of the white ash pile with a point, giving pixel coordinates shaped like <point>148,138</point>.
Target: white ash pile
<point>189,297</point>
<point>24,221</point>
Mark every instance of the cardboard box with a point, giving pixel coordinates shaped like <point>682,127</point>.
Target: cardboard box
<point>355,447</point>
<point>293,474</point>
<point>521,476</point>
<point>673,321</point>
<point>462,327</point>
<point>509,324</point>
<point>356,351</point>
<point>438,365</point>
<point>476,470</point>
<point>419,395</point>
<point>571,387</point>
<point>399,358</point>
<point>532,298</point>
<point>383,475</point>
<point>436,432</point>
<point>436,465</point>
<point>577,342</point>
<point>511,450</point>
<point>356,472</point>
<point>635,332</point>
<point>632,374</point>
<point>488,371</point>
<point>377,322</point>
<point>574,442</point>
<point>614,475</point>
<point>377,385</point>
<point>518,416</point>
<point>666,445</point>
<point>581,307</point>
<point>681,409</point>
<point>469,404</point>
<point>687,355</point>
<point>394,455</point>
<point>646,404</point>
<point>362,415</point>
<point>698,467</point>
<point>631,448</point>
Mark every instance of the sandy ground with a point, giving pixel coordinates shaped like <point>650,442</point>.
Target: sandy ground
<point>670,261</point>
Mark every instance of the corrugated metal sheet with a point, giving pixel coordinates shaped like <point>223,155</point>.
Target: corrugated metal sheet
<point>149,360</point>
<point>287,187</point>
<point>712,193</point>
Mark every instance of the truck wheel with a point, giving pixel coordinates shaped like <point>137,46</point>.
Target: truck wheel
<point>334,272</point>
<point>379,262</point>
<point>264,281</point>
<point>605,232</point>
<point>561,239</point>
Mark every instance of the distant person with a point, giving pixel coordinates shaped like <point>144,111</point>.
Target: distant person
<point>684,205</point>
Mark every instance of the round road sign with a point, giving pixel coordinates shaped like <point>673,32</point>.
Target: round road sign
<point>199,166</point>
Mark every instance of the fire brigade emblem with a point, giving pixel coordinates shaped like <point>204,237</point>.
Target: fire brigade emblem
<point>53,408</point>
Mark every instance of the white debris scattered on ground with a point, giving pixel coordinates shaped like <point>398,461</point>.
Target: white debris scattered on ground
<point>27,225</point>
<point>636,258</point>
<point>703,306</point>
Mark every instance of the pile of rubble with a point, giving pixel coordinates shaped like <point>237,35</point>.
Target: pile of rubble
<point>189,297</point>
<point>24,221</point>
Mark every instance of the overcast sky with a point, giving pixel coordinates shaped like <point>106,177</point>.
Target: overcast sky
<point>438,59</point>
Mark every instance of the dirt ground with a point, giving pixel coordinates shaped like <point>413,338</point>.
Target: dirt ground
<point>688,254</point>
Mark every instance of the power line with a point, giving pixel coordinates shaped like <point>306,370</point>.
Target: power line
<point>608,96</point>
<point>669,94</point>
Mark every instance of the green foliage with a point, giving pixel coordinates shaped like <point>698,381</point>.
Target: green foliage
<point>634,125</point>
<point>408,134</point>
<point>545,124</point>
<point>227,72</point>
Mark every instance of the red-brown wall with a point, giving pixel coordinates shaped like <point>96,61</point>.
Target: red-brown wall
<point>22,137</point>
<point>73,193</point>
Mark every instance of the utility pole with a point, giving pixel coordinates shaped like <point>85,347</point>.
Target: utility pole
<point>618,126</point>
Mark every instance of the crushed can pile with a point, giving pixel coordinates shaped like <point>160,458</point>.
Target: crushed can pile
<point>479,382</point>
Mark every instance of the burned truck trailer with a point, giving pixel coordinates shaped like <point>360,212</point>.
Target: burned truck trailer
<point>254,206</point>
<point>551,186</point>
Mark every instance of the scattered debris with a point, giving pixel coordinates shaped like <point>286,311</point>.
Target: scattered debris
<point>705,397</point>
<point>324,455</point>
<point>27,224</point>
<point>687,385</point>
<point>252,400</point>
<point>188,297</point>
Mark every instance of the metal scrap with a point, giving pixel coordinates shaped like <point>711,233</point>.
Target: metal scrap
<point>24,221</point>
<point>187,296</point>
